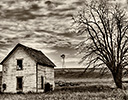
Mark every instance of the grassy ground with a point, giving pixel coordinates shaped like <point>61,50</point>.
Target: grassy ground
<point>75,93</point>
<point>85,79</point>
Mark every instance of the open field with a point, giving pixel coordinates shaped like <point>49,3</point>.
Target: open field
<point>75,76</point>
<point>75,87</point>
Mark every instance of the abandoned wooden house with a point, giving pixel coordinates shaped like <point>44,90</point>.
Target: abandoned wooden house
<point>27,70</point>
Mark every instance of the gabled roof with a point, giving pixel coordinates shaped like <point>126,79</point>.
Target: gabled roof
<point>37,55</point>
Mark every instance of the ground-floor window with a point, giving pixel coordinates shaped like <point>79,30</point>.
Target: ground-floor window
<point>19,83</point>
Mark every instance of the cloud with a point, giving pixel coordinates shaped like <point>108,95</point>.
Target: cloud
<point>48,51</point>
<point>47,29</point>
<point>76,60</point>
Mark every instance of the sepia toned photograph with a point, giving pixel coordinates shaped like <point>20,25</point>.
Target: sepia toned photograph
<point>63,49</point>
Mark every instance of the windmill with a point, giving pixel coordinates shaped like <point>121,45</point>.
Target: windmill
<point>63,60</point>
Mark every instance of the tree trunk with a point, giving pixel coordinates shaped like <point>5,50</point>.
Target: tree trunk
<point>117,76</point>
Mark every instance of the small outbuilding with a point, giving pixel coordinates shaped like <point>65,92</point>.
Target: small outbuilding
<point>25,70</point>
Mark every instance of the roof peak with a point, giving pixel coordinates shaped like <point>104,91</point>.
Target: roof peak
<point>19,44</point>
<point>37,55</point>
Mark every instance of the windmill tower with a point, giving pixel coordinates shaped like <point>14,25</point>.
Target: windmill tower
<point>63,61</point>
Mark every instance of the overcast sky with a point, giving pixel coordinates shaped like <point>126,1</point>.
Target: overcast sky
<point>47,28</point>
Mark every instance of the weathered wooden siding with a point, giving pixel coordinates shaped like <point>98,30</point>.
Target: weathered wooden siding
<point>10,72</point>
<point>48,74</point>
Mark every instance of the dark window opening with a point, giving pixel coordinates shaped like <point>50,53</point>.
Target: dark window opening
<point>19,64</point>
<point>47,87</point>
<point>42,82</point>
<point>19,83</point>
<point>4,87</point>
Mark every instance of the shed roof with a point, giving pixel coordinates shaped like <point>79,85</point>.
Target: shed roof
<point>37,55</point>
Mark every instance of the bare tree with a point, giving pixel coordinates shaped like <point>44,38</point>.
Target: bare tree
<point>105,28</point>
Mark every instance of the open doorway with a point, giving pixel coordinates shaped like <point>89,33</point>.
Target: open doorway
<point>19,84</point>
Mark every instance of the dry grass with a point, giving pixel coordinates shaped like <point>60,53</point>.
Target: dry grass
<point>72,93</point>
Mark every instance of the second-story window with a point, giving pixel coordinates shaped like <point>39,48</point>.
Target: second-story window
<point>19,64</point>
